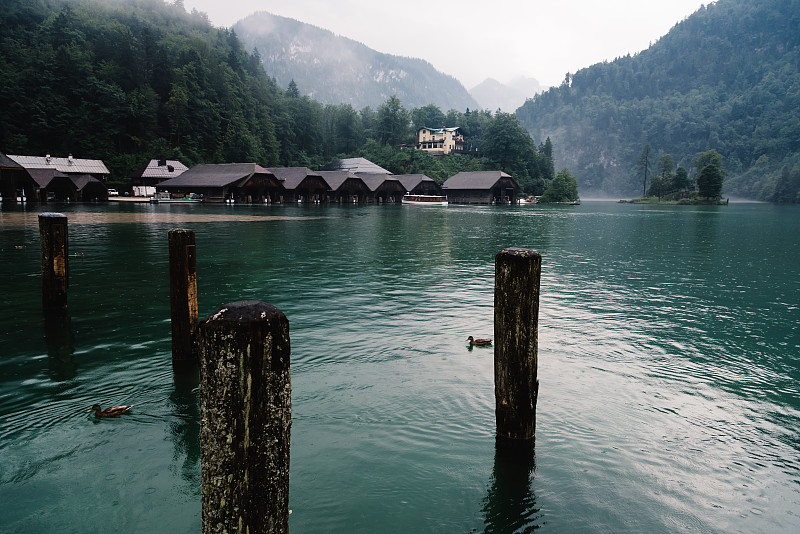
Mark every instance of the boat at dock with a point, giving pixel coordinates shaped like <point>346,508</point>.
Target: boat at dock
<point>425,200</point>
<point>165,198</point>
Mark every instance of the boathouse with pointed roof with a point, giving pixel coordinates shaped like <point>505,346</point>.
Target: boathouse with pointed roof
<point>39,178</point>
<point>157,171</point>
<point>220,182</point>
<point>481,187</point>
<point>419,184</point>
<point>344,187</point>
<point>384,188</point>
<point>301,184</point>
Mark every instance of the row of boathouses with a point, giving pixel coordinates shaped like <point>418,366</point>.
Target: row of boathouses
<point>353,180</point>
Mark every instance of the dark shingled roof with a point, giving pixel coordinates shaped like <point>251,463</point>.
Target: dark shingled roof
<point>356,166</point>
<point>82,180</point>
<point>43,177</point>
<point>474,180</point>
<point>8,163</point>
<point>410,181</point>
<point>374,181</point>
<point>214,175</point>
<point>292,177</point>
<point>335,179</point>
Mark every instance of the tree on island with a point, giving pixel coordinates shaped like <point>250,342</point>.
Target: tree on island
<point>710,175</point>
<point>644,165</point>
<point>563,188</point>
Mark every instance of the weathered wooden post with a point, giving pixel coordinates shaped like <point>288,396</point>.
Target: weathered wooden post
<point>246,418</point>
<point>53,236</point>
<point>516,317</point>
<point>183,294</point>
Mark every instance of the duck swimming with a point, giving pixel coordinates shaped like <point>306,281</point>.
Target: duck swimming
<point>113,411</point>
<point>479,342</point>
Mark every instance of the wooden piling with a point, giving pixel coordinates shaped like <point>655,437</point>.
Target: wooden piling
<point>183,294</point>
<point>516,343</point>
<point>245,408</point>
<point>53,237</point>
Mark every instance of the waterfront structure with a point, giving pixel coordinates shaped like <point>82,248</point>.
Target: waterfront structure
<point>384,188</point>
<point>145,180</point>
<point>419,184</point>
<point>440,141</point>
<point>41,178</point>
<point>224,182</point>
<point>301,184</point>
<point>481,187</point>
<point>356,166</point>
<point>345,187</point>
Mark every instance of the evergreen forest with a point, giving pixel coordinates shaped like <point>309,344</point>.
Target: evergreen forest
<point>127,81</point>
<point>726,78</point>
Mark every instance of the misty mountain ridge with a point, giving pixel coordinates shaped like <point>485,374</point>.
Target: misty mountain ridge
<point>493,95</point>
<point>337,70</point>
<point>724,78</point>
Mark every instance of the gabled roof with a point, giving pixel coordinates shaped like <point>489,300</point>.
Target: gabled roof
<point>292,177</point>
<point>374,181</point>
<point>356,166</point>
<point>214,175</point>
<point>43,177</point>
<point>8,163</point>
<point>68,165</point>
<point>475,180</point>
<point>410,181</point>
<point>162,168</point>
<point>335,179</point>
<point>440,130</point>
<point>82,180</point>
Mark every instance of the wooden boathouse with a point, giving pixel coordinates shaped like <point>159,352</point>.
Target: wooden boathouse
<point>301,184</point>
<point>419,184</point>
<point>481,187</point>
<point>345,187</point>
<point>221,182</point>
<point>42,178</point>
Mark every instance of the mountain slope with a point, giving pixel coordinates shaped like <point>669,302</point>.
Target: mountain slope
<point>336,70</point>
<point>725,78</point>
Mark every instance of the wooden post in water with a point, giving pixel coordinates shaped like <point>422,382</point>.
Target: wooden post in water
<point>516,317</point>
<point>183,294</point>
<point>246,418</point>
<point>53,236</point>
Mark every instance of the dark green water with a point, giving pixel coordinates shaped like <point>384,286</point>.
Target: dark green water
<point>669,343</point>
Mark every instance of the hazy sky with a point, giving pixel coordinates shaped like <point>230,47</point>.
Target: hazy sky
<point>477,39</point>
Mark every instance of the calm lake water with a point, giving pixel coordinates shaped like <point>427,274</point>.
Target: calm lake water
<point>668,362</point>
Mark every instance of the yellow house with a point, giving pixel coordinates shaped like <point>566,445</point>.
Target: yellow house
<point>440,141</point>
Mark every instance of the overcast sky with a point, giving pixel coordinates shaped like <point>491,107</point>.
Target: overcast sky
<point>477,39</point>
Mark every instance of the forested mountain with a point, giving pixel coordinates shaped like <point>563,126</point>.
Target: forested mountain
<point>725,78</point>
<point>127,81</point>
<point>337,70</point>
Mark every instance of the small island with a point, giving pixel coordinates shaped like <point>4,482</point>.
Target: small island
<point>676,188</point>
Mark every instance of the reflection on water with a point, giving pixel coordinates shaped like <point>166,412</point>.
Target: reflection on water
<point>185,425</point>
<point>668,342</point>
<point>510,503</point>
<point>60,346</point>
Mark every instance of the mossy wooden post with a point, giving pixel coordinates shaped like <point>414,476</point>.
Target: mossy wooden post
<point>516,341</point>
<point>246,418</point>
<point>53,236</point>
<point>183,294</point>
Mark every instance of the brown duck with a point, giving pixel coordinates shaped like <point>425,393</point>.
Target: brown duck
<point>113,411</point>
<point>479,342</point>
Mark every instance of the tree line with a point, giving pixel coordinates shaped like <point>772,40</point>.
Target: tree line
<point>724,78</point>
<point>127,81</point>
